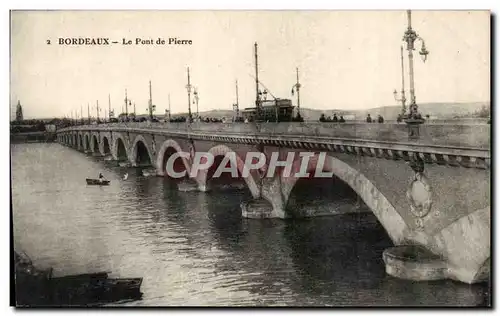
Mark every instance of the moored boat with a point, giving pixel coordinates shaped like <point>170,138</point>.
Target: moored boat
<point>93,289</point>
<point>35,287</point>
<point>97,182</point>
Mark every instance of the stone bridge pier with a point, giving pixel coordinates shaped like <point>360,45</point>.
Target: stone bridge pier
<point>442,205</point>
<point>444,209</point>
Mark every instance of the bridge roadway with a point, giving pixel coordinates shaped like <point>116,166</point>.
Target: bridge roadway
<point>433,191</point>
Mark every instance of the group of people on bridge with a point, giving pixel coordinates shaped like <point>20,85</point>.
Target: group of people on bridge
<point>322,118</point>
<point>380,119</point>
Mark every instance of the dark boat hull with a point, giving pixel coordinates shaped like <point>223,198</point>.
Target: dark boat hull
<point>93,290</point>
<point>80,290</point>
<point>97,182</point>
<point>35,287</point>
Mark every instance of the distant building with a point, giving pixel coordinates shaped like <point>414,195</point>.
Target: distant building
<point>19,112</point>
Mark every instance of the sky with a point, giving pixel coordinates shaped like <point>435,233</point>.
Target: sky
<point>346,59</point>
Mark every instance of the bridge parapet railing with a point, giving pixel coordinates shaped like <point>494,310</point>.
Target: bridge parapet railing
<point>460,135</point>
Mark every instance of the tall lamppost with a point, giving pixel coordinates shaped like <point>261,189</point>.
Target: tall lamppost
<point>414,118</point>
<point>169,113</point>
<point>126,106</point>
<point>236,106</point>
<point>297,86</point>
<point>258,104</point>
<point>97,110</point>
<point>196,98</point>
<point>403,97</point>
<point>151,107</point>
<point>110,113</point>
<point>188,87</point>
<point>410,36</point>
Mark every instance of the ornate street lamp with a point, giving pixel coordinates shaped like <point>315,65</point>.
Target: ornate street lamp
<point>196,98</point>
<point>414,118</point>
<point>151,107</point>
<point>169,113</point>
<point>188,87</point>
<point>410,37</point>
<point>403,97</point>
<point>236,106</point>
<point>97,111</point>
<point>126,106</point>
<point>297,86</point>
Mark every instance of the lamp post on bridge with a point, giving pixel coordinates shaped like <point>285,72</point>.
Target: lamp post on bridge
<point>403,97</point>
<point>414,118</point>
<point>97,110</point>
<point>258,93</point>
<point>236,106</point>
<point>151,107</point>
<point>196,99</point>
<point>110,113</point>
<point>297,86</point>
<point>188,87</point>
<point>127,101</point>
<point>169,113</point>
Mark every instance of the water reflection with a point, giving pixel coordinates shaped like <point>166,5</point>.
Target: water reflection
<point>194,248</point>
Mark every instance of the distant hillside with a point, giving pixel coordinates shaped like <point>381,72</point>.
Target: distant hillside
<point>212,114</point>
<point>438,110</point>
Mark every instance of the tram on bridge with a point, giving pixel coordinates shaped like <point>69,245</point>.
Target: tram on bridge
<point>278,110</point>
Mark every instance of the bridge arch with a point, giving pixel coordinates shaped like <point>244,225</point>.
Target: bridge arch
<point>140,152</point>
<point>385,212</point>
<point>86,144</point>
<point>119,147</point>
<point>80,142</point>
<point>106,150</point>
<point>94,145</point>
<point>222,150</point>
<point>167,148</point>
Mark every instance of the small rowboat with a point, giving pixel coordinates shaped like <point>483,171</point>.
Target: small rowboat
<point>97,182</point>
<point>148,173</point>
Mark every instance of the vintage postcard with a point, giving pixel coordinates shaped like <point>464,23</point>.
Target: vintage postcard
<point>250,158</point>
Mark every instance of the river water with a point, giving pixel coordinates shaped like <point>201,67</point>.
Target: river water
<point>195,249</point>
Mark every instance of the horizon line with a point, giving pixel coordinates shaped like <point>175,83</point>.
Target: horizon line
<point>308,108</point>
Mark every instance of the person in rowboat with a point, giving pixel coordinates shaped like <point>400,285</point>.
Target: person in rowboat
<point>101,177</point>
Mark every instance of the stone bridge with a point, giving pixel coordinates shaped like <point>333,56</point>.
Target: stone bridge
<point>432,192</point>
